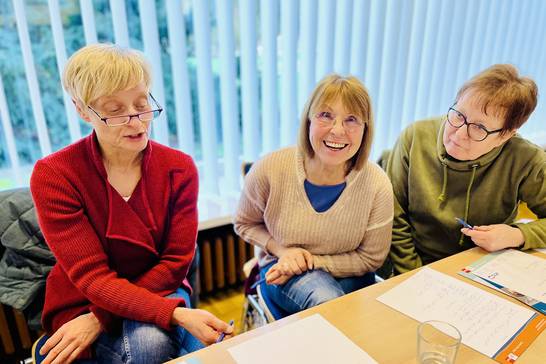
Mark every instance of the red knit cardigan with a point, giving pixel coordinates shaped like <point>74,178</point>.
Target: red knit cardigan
<point>116,259</point>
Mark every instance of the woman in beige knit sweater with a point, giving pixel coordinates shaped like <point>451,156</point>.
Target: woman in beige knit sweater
<point>321,213</point>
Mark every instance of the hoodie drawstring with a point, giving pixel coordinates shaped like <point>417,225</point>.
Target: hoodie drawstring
<point>442,196</point>
<point>467,203</point>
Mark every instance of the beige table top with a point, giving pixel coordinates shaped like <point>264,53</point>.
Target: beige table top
<point>384,333</point>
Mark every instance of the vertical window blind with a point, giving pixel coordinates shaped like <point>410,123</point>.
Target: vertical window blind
<point>234,75</point>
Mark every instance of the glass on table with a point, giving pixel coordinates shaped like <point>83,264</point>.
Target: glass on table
<point>437,342</point>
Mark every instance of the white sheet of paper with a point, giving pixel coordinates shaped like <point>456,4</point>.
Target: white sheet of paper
<point>486,321</point>
<point>309,340</point>
<point>518,271</point>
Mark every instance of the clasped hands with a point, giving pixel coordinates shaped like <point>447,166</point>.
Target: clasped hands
<point>292,261</point>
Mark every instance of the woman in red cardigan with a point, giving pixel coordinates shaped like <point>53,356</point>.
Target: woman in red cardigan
<point>119,212</point>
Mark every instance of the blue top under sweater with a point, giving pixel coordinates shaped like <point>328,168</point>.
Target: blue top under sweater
<point>323,197</point>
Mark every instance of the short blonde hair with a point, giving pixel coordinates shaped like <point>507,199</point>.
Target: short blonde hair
<point>501,87</point>
<point>102,69</point>
<point>356,100</point>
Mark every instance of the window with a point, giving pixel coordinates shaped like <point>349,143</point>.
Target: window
<point>234,75</point>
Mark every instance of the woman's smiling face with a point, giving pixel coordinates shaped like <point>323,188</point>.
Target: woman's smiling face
<point>335,134</point>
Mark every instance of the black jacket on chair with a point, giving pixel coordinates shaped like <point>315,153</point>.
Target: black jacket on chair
<point>26,260</point>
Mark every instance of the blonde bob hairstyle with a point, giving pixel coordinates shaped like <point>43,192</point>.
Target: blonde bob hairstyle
<point>102,69</point>
<point>356,100</point>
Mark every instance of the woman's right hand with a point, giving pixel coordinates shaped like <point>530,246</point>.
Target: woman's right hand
<point>202,324</point>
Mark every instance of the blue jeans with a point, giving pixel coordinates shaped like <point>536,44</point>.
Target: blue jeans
<point>312,288</point>
<point>142,342</point>
<point>145,343</point>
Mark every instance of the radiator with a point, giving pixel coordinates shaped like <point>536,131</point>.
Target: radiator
<point>223,255</point>
<point>16,337</point>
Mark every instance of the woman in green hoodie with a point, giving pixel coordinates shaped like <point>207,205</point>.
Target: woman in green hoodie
<point>469,164</point>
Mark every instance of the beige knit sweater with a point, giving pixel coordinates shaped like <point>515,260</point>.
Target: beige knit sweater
<point>349,239</point>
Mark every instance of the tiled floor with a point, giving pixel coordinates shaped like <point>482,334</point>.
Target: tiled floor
<point>226,306</point>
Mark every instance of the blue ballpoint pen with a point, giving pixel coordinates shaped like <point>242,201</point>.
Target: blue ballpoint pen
<point>257,283</point>
<point>464,223</point>
<point>223,335</point>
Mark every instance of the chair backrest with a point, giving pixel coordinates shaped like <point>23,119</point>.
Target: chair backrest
<point>245,167</point>
<point>252,277</point>
<point>271,309</point>
<point>36,356</point>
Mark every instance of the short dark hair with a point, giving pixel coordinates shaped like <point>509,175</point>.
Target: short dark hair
<point>500,86</point>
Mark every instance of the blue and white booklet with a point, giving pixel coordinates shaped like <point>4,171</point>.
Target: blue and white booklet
<point>512,272</point>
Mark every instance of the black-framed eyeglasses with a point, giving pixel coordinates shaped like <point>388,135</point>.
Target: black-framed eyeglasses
<point>476,132</point>
<point>120,120</point>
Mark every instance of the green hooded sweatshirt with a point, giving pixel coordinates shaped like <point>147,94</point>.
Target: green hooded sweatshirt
<point>431,189</point>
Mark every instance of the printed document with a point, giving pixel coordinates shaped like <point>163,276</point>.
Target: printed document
<point>325,344</point>
<point>517,271</point>
<point>486,322</point>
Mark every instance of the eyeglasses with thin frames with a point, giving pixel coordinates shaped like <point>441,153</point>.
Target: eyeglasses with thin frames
<point>327,120</point>
<point>476,132</point>
<point>120,120</point>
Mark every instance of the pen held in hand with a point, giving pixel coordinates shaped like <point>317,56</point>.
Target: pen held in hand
<point>223,335</point>
<point>464,223</point>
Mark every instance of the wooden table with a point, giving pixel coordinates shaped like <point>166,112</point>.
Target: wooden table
<point>387,335</point>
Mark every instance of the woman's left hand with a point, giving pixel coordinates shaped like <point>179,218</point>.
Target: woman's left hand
<point>71,339</point>
<point>275,276</point>
<point>495,237</point>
